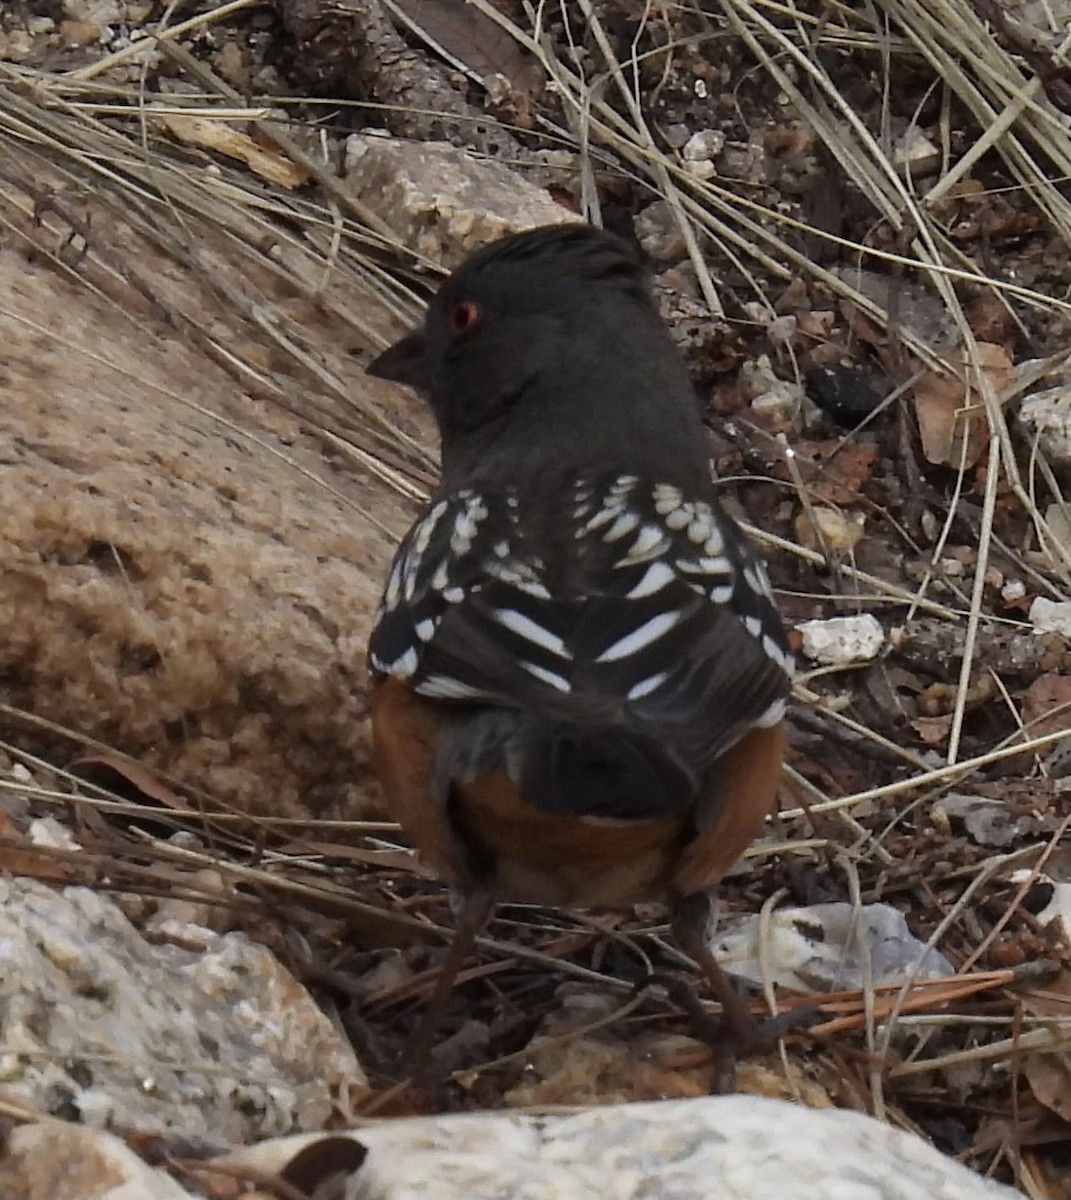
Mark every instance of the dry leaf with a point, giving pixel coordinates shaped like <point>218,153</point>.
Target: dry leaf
<point>932,731</point>
<point>139,777</point>
<point>949,408</point>
<point>224,139</point>
<point>1049,1076</point>
<point>1046,693</point>
<point>835,476</point>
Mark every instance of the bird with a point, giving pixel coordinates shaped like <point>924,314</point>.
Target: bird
<point>579,677</point>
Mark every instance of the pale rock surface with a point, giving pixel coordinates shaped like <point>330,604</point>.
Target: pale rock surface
<point>1046,419</point>
<point>828,947</point>
<point>715,1148</point>
<point>1051,616</point>
<point>442,201</point>
<point>839,641</point>
<point>54,1160</point>
<point>219,1042</point>
<point>184,576</point>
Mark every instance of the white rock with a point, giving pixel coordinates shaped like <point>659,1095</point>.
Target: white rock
<point>54,1160</point>
<point>220,1042</point>
<point>838,641</point>
<point>915,152</point>
<point>94,12</point>
<point>1051,616</point>
<point>47,831</point>
<point>659,232</point>
<point>1046,418</point>
<point>827,947</point>
<point>706,144</point>
<point>731,1147</point>
<point>442,201</point>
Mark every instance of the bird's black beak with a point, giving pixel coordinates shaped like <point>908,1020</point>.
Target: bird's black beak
<point>404,362</point>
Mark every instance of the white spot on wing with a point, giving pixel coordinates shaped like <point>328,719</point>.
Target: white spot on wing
<point>550,677</point>
<point>754,626</point>
<point>667,498</point>
<point>425,630</point>
<point>647,686</point>
<point>715,543</point>
<point>466,524</point>
<point>755,578</point>
<point>773,650</point>
<point>650,542</point>
<point>625,523</point>
<point>654,579</point>
<point>393,592</point>
<point>606,514</point>
<point>530,630</point>
<point>650,631</point>
<point>774,715</point>
<point>701,525</point>
<point>424,530</point>
<point>704,566</point>
<point>404,665</point>
<point>442,687</point>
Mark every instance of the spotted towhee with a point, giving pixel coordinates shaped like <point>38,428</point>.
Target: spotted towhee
<point>580,677</point>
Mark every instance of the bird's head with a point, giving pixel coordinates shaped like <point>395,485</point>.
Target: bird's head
<point>545,335</point>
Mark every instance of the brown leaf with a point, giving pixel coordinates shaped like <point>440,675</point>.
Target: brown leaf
<point>834,476</point>
<point>139,777</point>
<point>932,731</point>
<point>1049,1076</point>
<point>949,408</point>
<point>1046,693</point>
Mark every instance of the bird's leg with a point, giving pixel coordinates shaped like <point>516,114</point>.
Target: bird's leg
<point>472,910</point>
<point>737,1033</point>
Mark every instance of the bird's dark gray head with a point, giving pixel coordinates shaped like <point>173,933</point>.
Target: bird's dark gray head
<point>549,339</point>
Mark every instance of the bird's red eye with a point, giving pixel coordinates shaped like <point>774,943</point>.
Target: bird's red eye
<point>465,315</point>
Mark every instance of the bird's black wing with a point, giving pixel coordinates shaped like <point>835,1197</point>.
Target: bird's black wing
<point>634,627</point>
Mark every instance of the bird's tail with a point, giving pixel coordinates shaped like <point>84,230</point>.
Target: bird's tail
<point>560,767</point>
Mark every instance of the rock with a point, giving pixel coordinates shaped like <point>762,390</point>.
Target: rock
<point>442,201</point>
<point>915,153</point>
<point>987,822</point>
<point>94,12</point>
<point>777,404</point>
<point>184,577</point>
<point>827,947</point>
<point>838,531</point>
<point>1046,419</point>
<point>1051,616</point>
<point>838,641</point>
<point>843,392</point>
<point>54,1160</point>
<point>220,1042</point>
<point>659,233</point>
<point>706,144</point>
<point>744,1147</point>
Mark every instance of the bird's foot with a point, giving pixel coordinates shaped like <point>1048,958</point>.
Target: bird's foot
<point>737,1033</point>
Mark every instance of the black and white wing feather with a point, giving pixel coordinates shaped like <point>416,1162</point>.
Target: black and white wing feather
<point>626,608</point>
